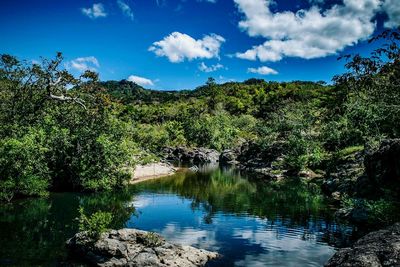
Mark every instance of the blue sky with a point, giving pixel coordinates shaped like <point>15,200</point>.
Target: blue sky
<point>178,44</point>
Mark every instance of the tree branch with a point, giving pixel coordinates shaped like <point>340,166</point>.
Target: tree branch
<point>68,98</point>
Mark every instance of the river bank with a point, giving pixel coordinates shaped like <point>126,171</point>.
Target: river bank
<point>151,171</point>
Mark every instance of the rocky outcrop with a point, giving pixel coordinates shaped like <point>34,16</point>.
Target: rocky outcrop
<point>229,157</point>
<point>342,176</point>
<point>267,161</point>
<point>376,249</point>
<point>192,155</point>
<point>382,168</point>
<point>130,247</point>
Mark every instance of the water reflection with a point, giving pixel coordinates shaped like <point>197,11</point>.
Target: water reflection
<point>251,223</point>
<point>240,238</point>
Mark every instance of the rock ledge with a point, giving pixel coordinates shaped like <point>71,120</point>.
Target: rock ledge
<point>379,248</point>
<point>131,247</point>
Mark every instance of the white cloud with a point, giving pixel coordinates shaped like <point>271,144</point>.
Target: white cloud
<point>310,33</point>
<point>96,11</point>
<point>83,63</point>
<point>392,9</point>
<point>140,80</point>
<point>262,70</point>
<point>179,46</point>
<point>126,9</point>
<point>204,68</point>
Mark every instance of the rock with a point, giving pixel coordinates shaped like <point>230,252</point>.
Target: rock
<point>194,168</point>
<point>308,174</point>
<point>382,169</point>
<point>379,248</point>
<point>356,215</point>
<point>267,162</point>
<point>131,247</point>
<point>153,169</point>
<point>193,155</point>
<point>342,176</point>
<point>229,157</point>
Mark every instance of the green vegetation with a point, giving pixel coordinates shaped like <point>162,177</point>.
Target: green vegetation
<point>96,224</point>
<point>379,212</point>
<point>59,132</point>
<point>54,138</point>
<point>151,239</point>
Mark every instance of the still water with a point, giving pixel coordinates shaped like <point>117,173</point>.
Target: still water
<point>249,222</point>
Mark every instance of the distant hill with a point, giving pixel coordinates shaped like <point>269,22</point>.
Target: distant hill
<point>130,92</point>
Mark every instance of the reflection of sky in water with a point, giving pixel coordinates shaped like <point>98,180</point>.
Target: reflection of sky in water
<point>243,240</point>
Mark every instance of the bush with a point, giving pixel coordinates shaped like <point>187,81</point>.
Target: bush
<point>96,224</point>
<point>23,165</point>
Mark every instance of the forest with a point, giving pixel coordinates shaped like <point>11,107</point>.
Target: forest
<point>64,133</point>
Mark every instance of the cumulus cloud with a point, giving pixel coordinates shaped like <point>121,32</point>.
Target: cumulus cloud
<point>264,70</point>
<point>83,63</point>
<point>96,11</point>
<point>310,33</point>
<point>126,9</point>
<point>179,46</point>
<point>204,68</point>
<point>140,80</point>
<point>392,9</point>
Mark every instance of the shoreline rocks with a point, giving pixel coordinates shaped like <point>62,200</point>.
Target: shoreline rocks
<point>192,155</point>
<point>382,168</point>
<point>131,247</point>
<point>379,248</point>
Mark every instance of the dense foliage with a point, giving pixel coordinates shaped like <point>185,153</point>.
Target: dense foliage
<point>61,132</point>
<point>57,138</point>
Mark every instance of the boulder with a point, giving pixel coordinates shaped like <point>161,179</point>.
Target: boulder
<point>192,155</point>
<point>379,248</point>
<point>229,157</point>
<point>131,247</point>
<point>382,169</point>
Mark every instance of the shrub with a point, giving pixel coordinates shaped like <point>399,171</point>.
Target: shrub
<point>23,165</point>
<point>96,224</point>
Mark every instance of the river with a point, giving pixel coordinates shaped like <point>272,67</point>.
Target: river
<point>248,221</point>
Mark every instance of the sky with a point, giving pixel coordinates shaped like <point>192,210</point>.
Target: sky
<point>178,44</point>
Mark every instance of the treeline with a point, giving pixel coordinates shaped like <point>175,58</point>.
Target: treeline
<point>59,132</point>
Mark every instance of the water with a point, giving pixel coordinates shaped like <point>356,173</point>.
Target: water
<point>251,223</point>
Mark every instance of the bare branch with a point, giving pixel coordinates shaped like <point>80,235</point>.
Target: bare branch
<point>68,98</point>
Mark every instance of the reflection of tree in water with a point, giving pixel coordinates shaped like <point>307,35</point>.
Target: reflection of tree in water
<point>291,204</point>
<point>35,230</point>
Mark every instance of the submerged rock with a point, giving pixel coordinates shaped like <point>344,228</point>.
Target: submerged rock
<point>379,248</point>
<point>131,247</point>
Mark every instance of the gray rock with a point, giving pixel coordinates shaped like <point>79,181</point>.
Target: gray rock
<point>376,249</point>
<point>229,157</point>
<point>193,155</point>
<point>131,247</point>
